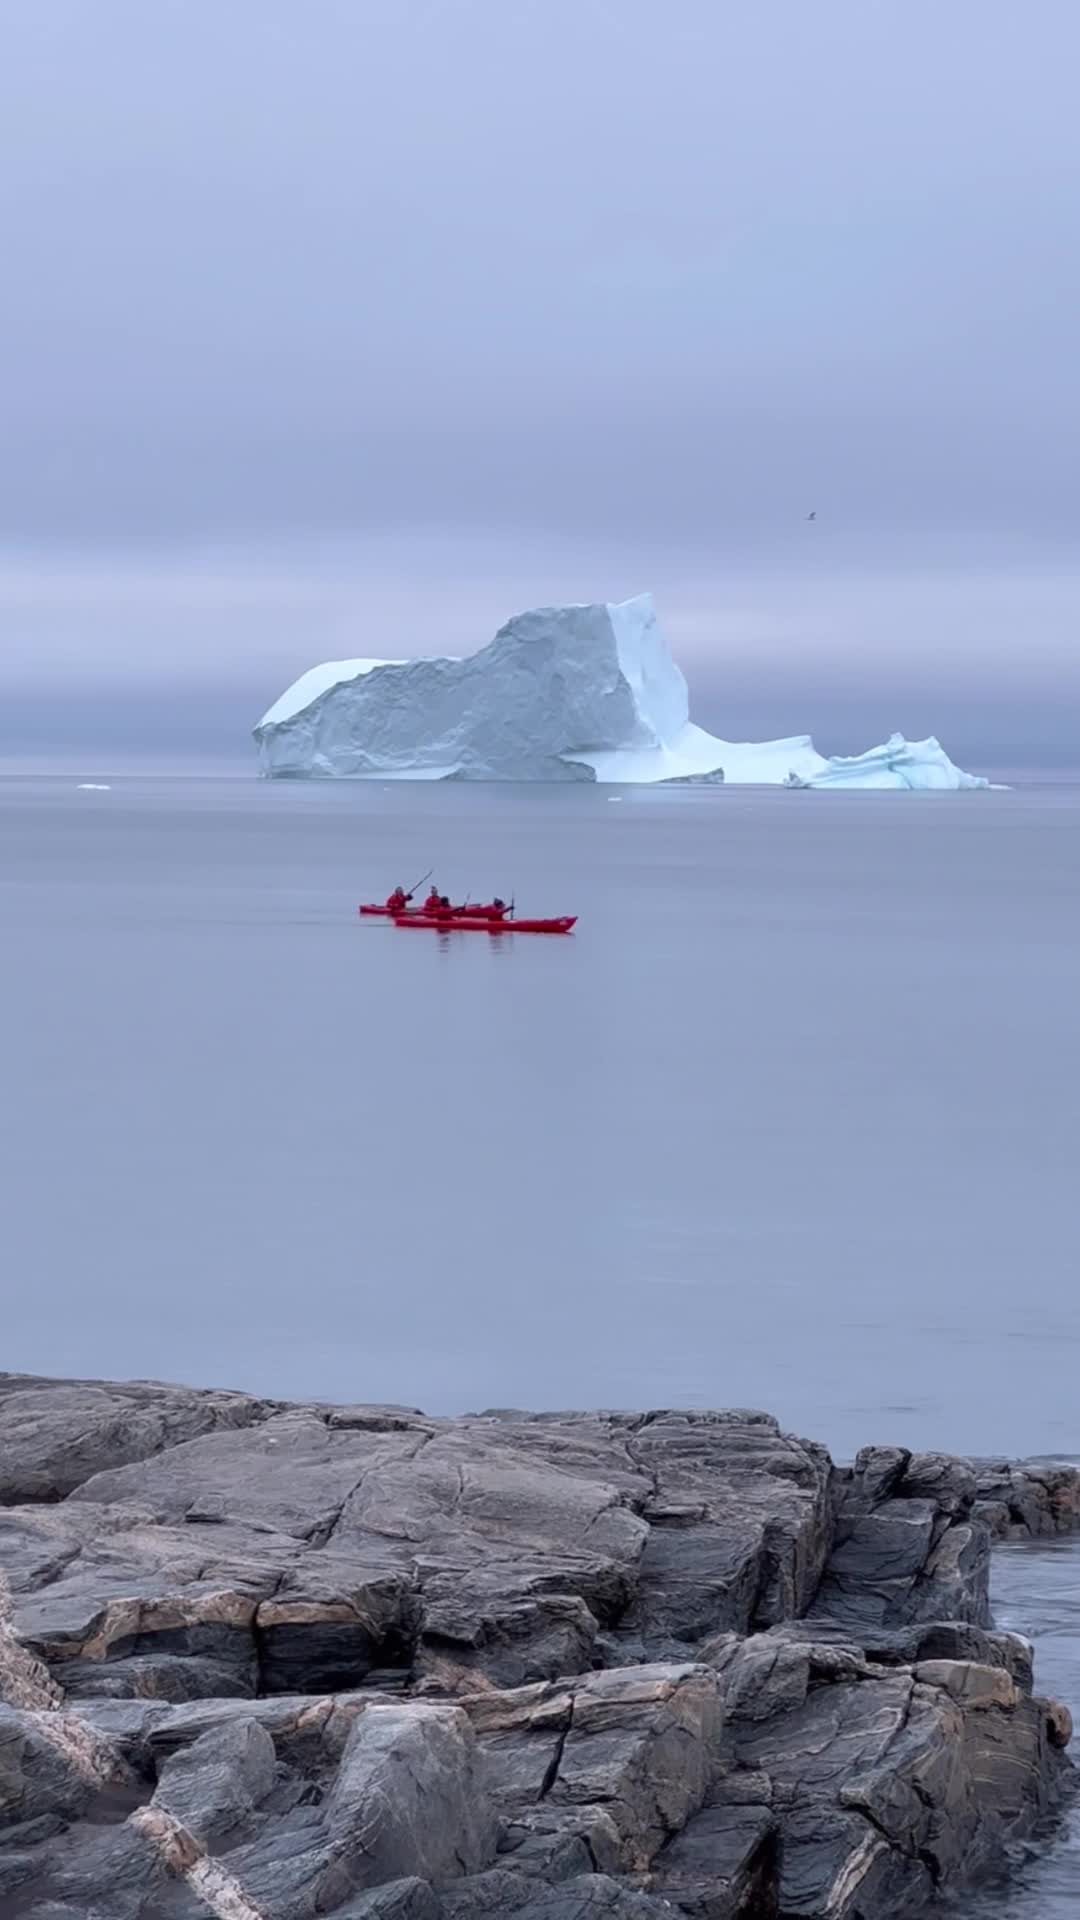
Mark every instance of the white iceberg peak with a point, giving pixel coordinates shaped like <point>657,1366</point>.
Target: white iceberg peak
<point>562,693</point>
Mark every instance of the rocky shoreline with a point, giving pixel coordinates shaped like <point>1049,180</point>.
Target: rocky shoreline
<point>265,1661</point>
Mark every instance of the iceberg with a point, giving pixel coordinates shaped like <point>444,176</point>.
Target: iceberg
<point>919,766</point>
<point>561,693</point>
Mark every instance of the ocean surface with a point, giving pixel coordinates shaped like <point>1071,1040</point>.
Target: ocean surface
<point>791,1121</point>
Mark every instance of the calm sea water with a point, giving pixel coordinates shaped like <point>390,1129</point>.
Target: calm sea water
<point>790,1121</point>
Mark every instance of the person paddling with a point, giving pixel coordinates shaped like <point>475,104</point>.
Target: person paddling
<point>498,909</point>
<point>433,902</point>
<point>398,900</point>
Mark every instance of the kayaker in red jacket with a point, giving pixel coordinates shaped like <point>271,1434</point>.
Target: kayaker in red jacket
<point>433,902</point>
<point>498,909</point>
<point>398,900</point>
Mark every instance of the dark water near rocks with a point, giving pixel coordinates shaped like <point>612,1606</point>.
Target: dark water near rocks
<point>791,1121</point>
<point>1036,1591</point>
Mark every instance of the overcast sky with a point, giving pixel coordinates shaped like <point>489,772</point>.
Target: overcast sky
<point>352,326</point>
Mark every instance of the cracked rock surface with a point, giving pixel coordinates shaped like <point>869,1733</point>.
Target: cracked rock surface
<point>271,1662</point>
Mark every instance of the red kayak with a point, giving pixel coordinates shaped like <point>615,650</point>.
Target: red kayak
<point>402,913</point>
<point>469,923</point>
<point>414,912</point>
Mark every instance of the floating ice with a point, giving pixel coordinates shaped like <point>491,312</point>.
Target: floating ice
<point>93,786</point>
<point>561,693</point>
<point>920,766</point>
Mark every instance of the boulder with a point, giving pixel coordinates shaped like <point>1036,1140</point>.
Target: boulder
<point>52,1767</point>
<point>408,1798</point>
<point>894,1564</point>
<point>1027,1499</point>
<point>637,1746</point>
<point>215,1784</point>
<point>642,1744</point>
<point>724,1865</point>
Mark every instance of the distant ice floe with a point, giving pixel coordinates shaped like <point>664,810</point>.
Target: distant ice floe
<point>561,693</point>
<point>93,786</point>
<point>920,766</point>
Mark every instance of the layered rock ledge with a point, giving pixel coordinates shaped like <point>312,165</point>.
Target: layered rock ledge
<point>264,1661</point>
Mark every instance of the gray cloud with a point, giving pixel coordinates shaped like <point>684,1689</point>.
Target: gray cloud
<point>606,295</point>
<point>182,653</point>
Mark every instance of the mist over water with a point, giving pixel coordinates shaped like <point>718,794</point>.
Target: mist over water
<point>135,657</point>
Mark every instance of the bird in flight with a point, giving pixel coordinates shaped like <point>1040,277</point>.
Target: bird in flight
<point>811,516</point>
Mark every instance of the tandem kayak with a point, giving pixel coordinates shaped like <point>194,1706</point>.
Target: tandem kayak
<point>479,912</point>
<point>468,923</point>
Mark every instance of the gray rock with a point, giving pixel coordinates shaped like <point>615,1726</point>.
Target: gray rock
<point>560,1843</point>
<point>215,1784</point>
<point>52,1767</point>
<point>837,1732</point>
<point>894,1565</point>
<point>836,1866</point>
<point>57,1910</point>
<point>408,1797</point>
<point>310,1661</point>
<point>497,1892</point>
<point>943,1767</point>
<point>1028,1499</point>
<point>970,1684</point>
<point>839,1651</point>
<point>876,1475</point>
<point>741,1524</point>
<point>410,1899</point>
<point>874,1566</point>
<point>113,1872</point>
<point>767,1676</point>
<point>642,1744</point>
<point>637,1744</point>
<point>595,1897</point>
<point>159,1676</point>
<point>724,1865</point>
<point>54,1434</point>
<point>292,1870</point>
<point>505,1639</point>
<point>950,1483</point>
